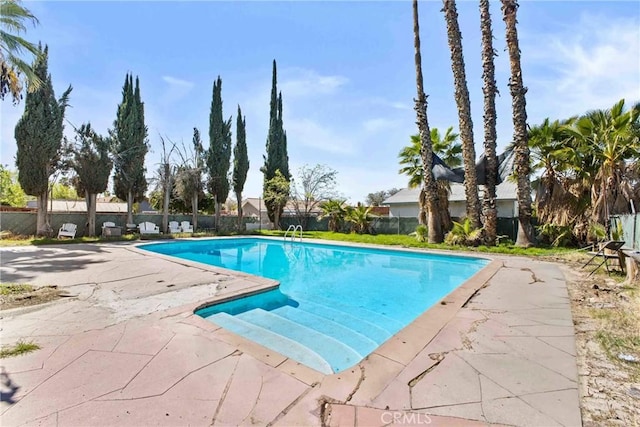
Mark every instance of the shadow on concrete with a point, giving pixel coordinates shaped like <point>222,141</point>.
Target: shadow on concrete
<point>22,263</point>
<point>8,387</point>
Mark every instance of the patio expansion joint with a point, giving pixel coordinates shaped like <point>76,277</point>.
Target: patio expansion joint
<point>50,376</point>
<point>286,410</point>
<point>226,390</point>
<point>255,402</point>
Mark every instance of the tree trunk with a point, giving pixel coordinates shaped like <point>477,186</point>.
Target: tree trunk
<point>194,210</point>
<point>91,213</point>
<point>217,216</point>
<point>464,112</point>
<point>489,89</point>
<point>422,215</point>
<point>241,226</point>
<point>130,207</point>
<point>42,226</point>
<point>526,237</point>
<point>426,151</point>
<point>276,218</point>
<point>443,208</point>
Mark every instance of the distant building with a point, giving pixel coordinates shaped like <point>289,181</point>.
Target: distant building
<point>255,207</point>
<point>405,202</point>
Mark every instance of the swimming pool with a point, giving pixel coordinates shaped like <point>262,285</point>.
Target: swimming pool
<point>335,304</point>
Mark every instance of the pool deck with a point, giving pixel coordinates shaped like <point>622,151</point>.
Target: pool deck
<point>126,349</point>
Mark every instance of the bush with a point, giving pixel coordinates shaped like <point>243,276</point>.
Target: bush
<point>421,233</point>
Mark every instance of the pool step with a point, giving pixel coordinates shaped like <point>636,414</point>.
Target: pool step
<point>338,354</point>
<point>360,343</point>
<point>272,340</point>
<point>388,323</point>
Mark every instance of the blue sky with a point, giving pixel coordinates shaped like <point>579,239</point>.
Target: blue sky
<point>345,70</point>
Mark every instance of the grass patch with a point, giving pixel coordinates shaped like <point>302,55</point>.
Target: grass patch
<point>21,347</point>
<point>15,288</point>
<point>411,242</point>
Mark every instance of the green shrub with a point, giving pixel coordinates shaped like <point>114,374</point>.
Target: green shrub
<point>422,232</point>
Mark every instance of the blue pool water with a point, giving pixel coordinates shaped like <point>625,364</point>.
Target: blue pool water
<point>335,304</point>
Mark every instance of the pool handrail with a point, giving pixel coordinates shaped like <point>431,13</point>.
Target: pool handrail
<point>293,229</point>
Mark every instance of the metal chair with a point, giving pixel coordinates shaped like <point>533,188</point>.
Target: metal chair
<point>608,250</point>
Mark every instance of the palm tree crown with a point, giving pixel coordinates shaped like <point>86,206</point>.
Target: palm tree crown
<point>12,23</point>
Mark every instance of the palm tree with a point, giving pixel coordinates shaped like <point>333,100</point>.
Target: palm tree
<point>12,17</point>
<point>489,89</point>
<point>464,112</point>
<point>431,192</point>
<point>449,150</point>
<point>525,237</point>
<point>555,204</point>
<point>607,139</point>
<point>335,211</point>
<point>359,217</point>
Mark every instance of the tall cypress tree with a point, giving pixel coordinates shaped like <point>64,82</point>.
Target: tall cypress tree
<point>277,157</point>
<point>38,136</point>
<point>240,163</point>
<point>219,155</point>
<point>131,146</point>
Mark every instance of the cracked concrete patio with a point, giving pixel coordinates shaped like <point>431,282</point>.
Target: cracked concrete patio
<point>128,350</point>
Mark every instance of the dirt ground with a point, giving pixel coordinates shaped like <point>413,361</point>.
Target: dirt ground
<point>24,299</point>
<point>606,315</point>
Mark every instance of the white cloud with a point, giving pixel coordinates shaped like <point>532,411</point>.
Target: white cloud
<point>299,82</point>
<point>174,81</point>
<point>592,63</point>
<point>379,124</point>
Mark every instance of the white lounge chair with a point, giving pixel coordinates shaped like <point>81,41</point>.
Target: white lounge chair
<point>148,228</point>
<point>67,230</point>
<point>174,227</point>
<point>186,227</point>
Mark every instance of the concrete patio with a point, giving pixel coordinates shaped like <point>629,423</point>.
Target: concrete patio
<point>127,349</point>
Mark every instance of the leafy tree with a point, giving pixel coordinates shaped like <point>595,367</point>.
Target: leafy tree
<point>377,198</point>
<point>189,186</point>
<point>315,185</point>
<point>519,105</point>
<point>464,111</point>
<point>333,209</point>
<point>131,146</point>
<point>39,134</point>
<point>12,45</point>
<point>11,194</point>
<point>276,193</point>
<point>277,157</point>
<point>426,151</point>
<point>489,89</point>
<point>219,155</point>
<point>240,164</point>
<point>64,190</point>
<point>92,166</point>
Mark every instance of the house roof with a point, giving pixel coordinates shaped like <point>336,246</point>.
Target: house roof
<point>80,206</point>
<point>504,191</point>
